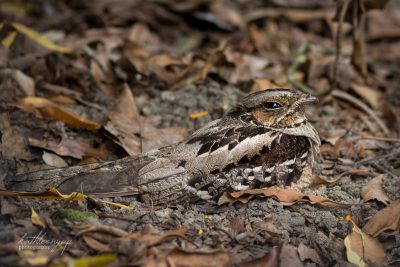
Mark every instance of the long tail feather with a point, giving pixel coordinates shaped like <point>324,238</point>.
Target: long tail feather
<point>106,178</point>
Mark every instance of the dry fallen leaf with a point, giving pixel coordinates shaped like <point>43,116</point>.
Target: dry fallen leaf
<point>96,245</point>
<point>39,38</point>
<point>259,39</point>
<point>102,73</point>
<point>137,134</point>
<point>361,248</point>
<point>40,257</point>
<point>246,66</point>
<point>263,84</point>
<point>154,239</point>
<point>53,194</point>
<point>14,145</point>
<point>286,196</point>
<point>386,219</point>
<point>70,148</point>
<point>141,34</point>
<point>384,25</point>
<point>8,208</point>
<point>96,260</point>
<point>50,194</point>
<point>373,190</point>
<point>164,67</point>
<point>36,220</point>
<point>322,180</point>
<point>269,227</point>
<point>53,111</point>
<point>9,248</point>
<point>182,258</point>
<point>373,96</point>
<point>53,160</point>
<point>202,73</point>
<point>227,13</point>
<point>237,225</point>
<point>286,255</point>
<point>135,244</point>
<point>270,259</point>
<point>26,83</point>
<point>334,136</point>
<point>100,228</point>
<point>61,90</point>
<point>289,256</point>
<point>306,252</point>
<point>125,122</point>
<point>8,38</point>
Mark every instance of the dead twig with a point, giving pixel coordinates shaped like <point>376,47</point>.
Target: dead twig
<point>296,15</point>
<point>367,160</point>
<point>380,138</point>
<point>351,172</point>
<point>201,74</point>
<point>339,37</point>
<point>358,55</point>
<point>382,169</point>
<point>90,104</point>
<point>361,105</point>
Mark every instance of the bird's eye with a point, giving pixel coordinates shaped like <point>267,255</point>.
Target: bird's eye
<point>272,105</point>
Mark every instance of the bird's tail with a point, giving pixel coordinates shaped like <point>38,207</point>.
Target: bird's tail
<point>107,178</point>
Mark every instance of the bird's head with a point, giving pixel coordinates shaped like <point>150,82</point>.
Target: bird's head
<point>275,108</point>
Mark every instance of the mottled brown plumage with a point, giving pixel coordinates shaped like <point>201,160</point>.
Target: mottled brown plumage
<point>264,140</point>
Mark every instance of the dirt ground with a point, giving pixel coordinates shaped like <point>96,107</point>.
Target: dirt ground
<point>186,65</point>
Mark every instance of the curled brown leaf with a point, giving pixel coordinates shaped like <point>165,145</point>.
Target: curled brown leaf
<point>373,190</point>
<point>286,196</point>
<point>386,219</point>
<point>362,248</point>
<point>53,111</point>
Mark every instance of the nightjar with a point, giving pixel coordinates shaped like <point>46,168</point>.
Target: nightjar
<point>264,140</point>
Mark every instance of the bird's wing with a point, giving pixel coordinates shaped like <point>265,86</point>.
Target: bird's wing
<point>213,147</point>
<point>229,145</point>
<point>210,149</point>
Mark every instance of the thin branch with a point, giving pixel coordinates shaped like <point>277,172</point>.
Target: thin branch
<point>358,55</point>
<point>394,153</point>
<point>339,38</point>
<point>361,105</point>
<point>380,138</point>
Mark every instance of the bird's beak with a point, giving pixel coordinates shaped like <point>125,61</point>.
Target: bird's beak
<point>307,99</point>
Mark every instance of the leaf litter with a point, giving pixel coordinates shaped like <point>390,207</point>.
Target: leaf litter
<point>123,78</point>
